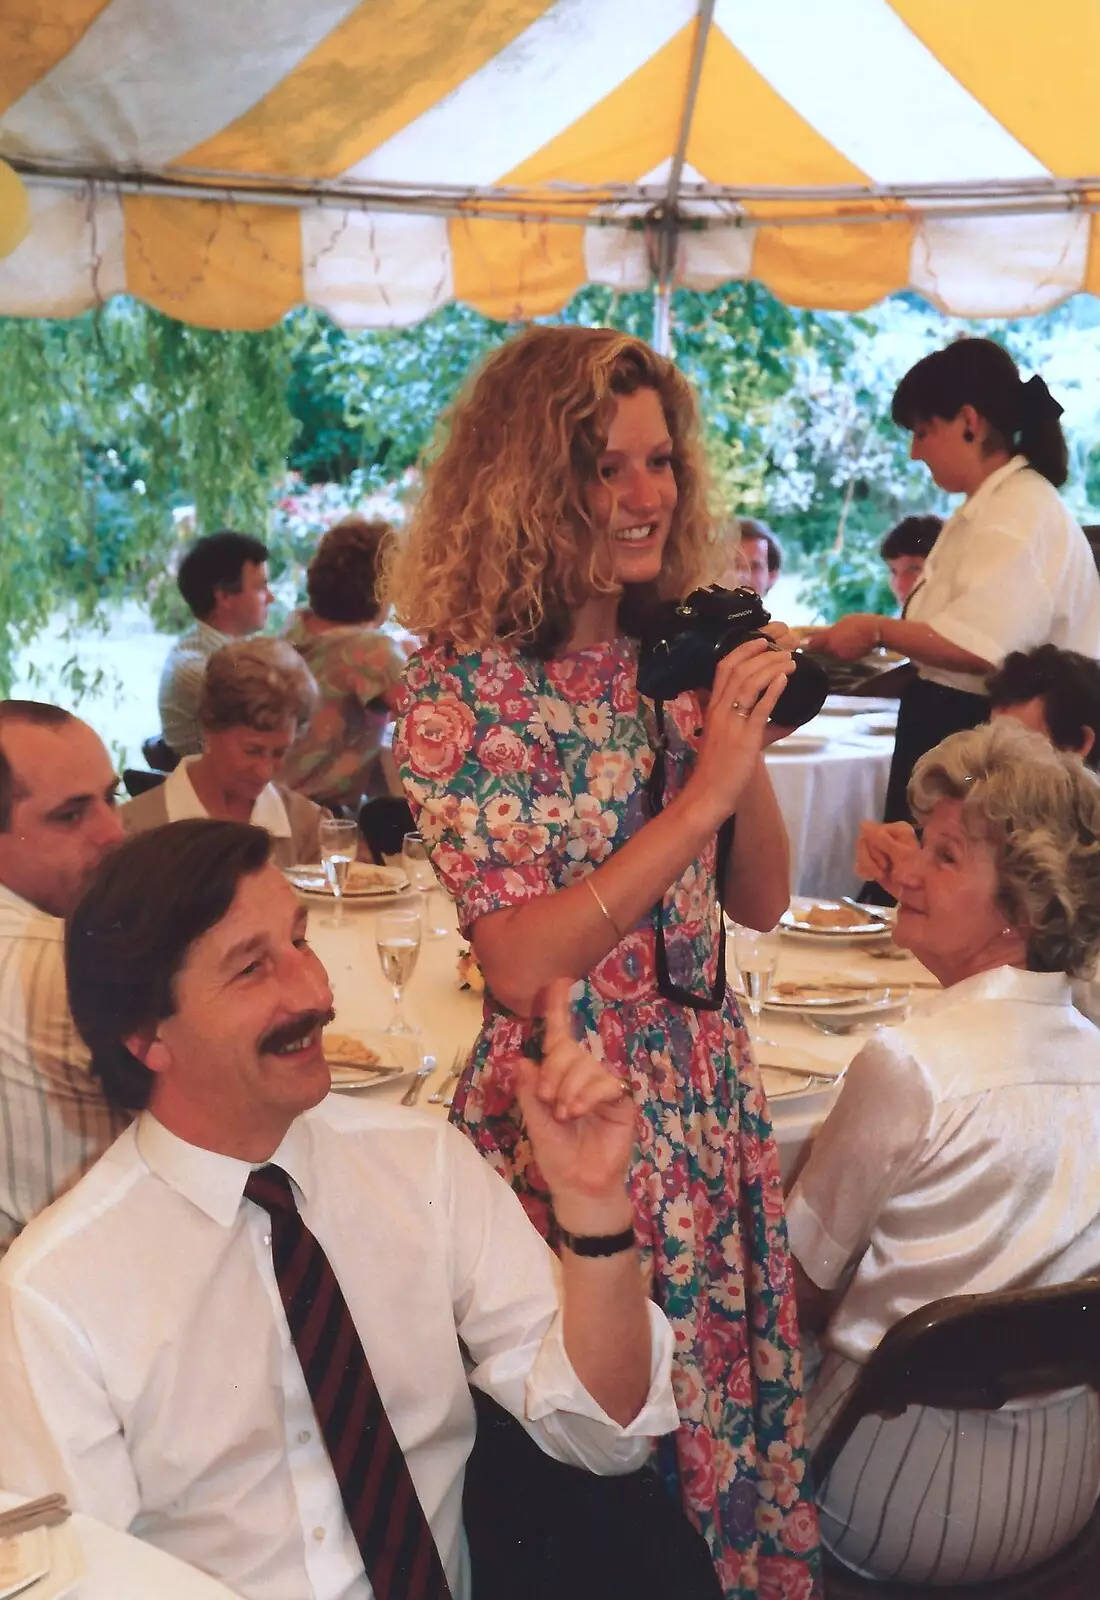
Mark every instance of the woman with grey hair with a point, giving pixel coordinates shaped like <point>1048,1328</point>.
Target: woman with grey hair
<point>258,696</point>
<point>961,1158</point>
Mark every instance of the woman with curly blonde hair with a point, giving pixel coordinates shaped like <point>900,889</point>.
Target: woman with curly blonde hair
<point>580,843</point>
<point>960,1159</point>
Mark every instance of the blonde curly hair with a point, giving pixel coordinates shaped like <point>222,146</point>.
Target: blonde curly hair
<point>501,543</point>
<point>1039,808</point>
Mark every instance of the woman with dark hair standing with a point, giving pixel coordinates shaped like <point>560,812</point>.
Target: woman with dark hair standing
<point>1011,569</point>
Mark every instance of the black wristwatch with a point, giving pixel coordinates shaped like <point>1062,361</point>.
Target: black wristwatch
<point>597,1244</point>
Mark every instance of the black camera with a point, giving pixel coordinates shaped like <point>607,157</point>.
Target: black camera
<point>682,642</point>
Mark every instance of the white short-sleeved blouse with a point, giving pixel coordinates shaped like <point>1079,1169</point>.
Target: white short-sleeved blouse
<point>1010,571</point>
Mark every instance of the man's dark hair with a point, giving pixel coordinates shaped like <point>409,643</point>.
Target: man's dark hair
<point>216,562</point>
<point>752,528</point>
<point>913,536</point>
<point>1068,685</point>
<point>127,939</point>
<point>39,715</point>
<point>342,580</point>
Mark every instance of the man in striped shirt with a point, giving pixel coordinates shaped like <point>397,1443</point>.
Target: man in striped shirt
<point>223,578</point>
<point>57,819</point>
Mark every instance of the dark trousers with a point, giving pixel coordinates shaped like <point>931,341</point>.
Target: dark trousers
<point>927,713</point>
<point>540,1530</point>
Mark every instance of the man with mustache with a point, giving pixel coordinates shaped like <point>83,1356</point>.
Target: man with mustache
<point>242,1335</point>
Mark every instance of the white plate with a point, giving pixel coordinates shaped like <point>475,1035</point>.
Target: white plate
<point>846,997</point>
<point>310,880</point>
<point>66,1566</point>
<point>798,744</point>
<point>887,1005</point>
<point>874,928</point>
<point>24,1559</point>
<point>856,705</point>
<point>881,723</point>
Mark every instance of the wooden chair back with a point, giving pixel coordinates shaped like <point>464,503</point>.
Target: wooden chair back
<point>975,1353</point>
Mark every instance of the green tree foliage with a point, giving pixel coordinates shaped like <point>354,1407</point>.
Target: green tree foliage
<point>109,421</point>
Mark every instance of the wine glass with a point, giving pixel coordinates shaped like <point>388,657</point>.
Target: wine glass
<point>756,956</point>
<point>339,844</point>
<point>397,935</point>
<point>418,865</point>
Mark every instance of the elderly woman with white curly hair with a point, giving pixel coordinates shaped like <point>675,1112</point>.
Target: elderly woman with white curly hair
<point>962,1158</point>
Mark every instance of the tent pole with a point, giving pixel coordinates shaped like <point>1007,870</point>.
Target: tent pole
<point>666,251</point>
<point>662,319</point>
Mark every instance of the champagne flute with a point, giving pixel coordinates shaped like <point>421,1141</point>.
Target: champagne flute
<point>397,935</point>
<point>756,956</point>
<point>339,845</point>
<point>418,865</point>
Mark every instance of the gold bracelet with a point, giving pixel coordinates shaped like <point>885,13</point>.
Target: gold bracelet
<point>598,897</point>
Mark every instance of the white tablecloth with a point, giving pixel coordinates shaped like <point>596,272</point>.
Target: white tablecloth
<point>118,1567</point>
<point>824,795</point>
<point>451,1018</point>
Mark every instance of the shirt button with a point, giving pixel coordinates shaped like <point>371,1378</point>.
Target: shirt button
<point>267,1238</point>
<point>319,1534</point>
<point>305,1436</point>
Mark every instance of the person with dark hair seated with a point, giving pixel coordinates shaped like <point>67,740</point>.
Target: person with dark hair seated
<point>905,549</point>
<point>756,556</point>
<point>58,818</point>
<point>1055,693</point>
<point>249,1334</point>
<point>356,666</point>
<point>1011,569</point>
<point>223,579</point>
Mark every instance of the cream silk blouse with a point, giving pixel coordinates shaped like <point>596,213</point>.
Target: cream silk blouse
<point>962,1156</point>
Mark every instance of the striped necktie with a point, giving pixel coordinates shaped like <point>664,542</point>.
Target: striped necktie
<point>379,1496</point>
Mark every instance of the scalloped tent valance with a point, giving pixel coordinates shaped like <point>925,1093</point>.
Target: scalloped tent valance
<point>377,158</point>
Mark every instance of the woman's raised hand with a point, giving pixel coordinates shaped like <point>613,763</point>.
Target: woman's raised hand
<point>882,849</point>
<point>747,685</point>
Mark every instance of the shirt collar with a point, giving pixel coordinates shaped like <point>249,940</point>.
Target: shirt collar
<point>181,802</point>
<point>27,912</point>
<point>1004,983</point>
<point>991,485</point>
<point>214,1182</point>
<point>202,633</point>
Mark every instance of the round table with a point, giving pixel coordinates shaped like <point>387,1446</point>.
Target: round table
<point>825,794</point>
<point>450,1017</point>
<point>119,1567</point>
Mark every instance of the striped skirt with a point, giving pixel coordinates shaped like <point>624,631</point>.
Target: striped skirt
<point>941,1497</point>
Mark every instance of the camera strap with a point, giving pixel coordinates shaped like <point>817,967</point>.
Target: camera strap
<point>723,847</point>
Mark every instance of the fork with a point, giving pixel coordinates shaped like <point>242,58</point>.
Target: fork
<point>440,1097</point>
<point>420,1077</point>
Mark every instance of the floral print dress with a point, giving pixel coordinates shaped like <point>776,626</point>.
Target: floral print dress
<point>526,775</point>
<point>337,758</point>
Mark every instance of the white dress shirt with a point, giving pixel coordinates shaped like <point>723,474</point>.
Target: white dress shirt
<point>54,1121</point>
<point>180,687</point>
<point>147,1370</point>
<point>183,803</point>
<point>960,1158</point>
<point>1011,570</point>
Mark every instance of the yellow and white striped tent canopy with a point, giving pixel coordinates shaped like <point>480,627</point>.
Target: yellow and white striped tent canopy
<point>226,160</point>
